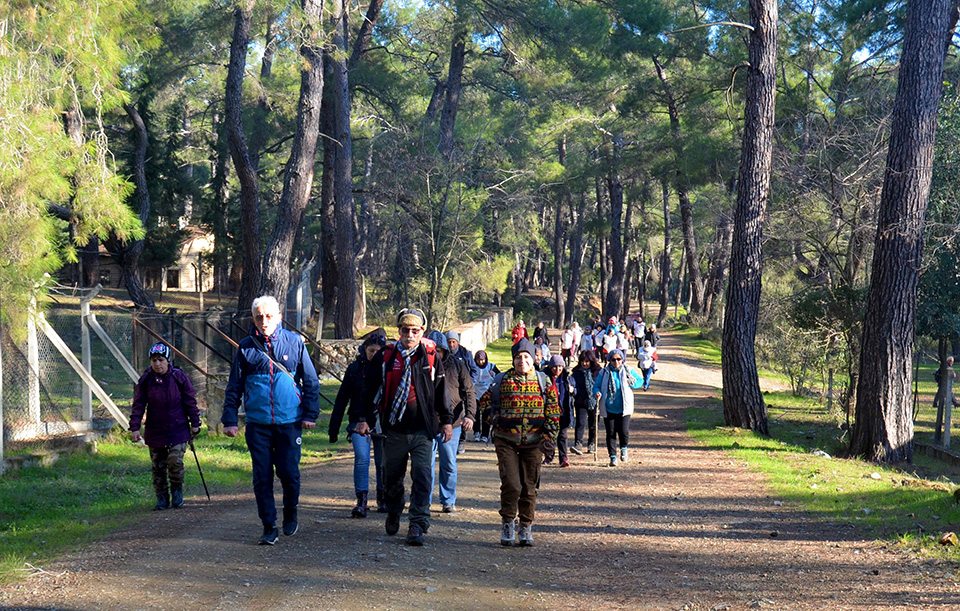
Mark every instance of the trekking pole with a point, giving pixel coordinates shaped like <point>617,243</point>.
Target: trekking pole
<point>196,458</point>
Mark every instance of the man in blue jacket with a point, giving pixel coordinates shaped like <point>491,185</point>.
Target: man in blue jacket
<point>273,374</point>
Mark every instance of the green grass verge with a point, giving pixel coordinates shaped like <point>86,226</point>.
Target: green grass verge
<point>46,511</point>
<point>889,505</point>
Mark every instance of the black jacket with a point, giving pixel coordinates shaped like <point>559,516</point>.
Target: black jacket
<point>463,397</point>
<point>429,383</point>
<point>583,382</point>
<point>353,392</point>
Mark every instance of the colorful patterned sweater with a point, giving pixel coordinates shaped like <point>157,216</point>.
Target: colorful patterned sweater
<point>523,418</point>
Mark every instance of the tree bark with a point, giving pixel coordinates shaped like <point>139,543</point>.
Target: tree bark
<point>680,183</point>
<point>246,173</point>
<point>665,257</point>
<point>559,235</point>
<point>743,404</point>
<point>258,138</point>
<point>719,262</point>
<point>127,256</point>
<point>343,184</point>
<point>298,175</point>
<point>328,214</point>
<point>883,430</point>
<point>448,116</point>
<point>628,270</point>
<point>364,33</point>
<point>576,256</point>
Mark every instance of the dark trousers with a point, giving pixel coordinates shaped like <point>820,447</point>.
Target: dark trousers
<point>274,446</point>
<point>586,420</point>
<point>398,448</point>
<point>618,430</point>
<point>519,475</point>
<point>562,444</point>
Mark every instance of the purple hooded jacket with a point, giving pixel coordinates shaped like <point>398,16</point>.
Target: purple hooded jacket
<point>170,402</point>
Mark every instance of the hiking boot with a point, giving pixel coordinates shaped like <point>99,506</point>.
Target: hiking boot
<point>381,502</point>
<point>525,535</point>
<point>623,455</point>
<point>360,511</point>
<point>508,533</point>
<point>163,501</point>
<point>392,524</point>
<point>577,449</point>
<point>449,509</point>
<point>415,535</point>
<point>613,461</point>
<point>270,535</point>
<point>290,524</point>
<point>176,498</point>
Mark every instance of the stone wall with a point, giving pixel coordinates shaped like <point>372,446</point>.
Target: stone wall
<point>492,325</point>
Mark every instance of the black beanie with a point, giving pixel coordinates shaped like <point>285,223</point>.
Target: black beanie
<point>523,345</point>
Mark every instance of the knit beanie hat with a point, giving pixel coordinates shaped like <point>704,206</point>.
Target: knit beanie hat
<point>453,335</point>
<point>161,349</point>
<point>411,317</point>
<point>614,353</point>
<point>556,361</point>
<point>523,345</point>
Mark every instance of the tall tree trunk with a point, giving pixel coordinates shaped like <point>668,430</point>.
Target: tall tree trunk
<point>128,255</point>
<point>884,420</point>
<point>221,189</point>
<point>448,116</point>
<point>365,226</point>
<point>601,244</point>
<point>718,265</point>
<point>258,139</point>
<point>328,214</point>
<point>686,209</point>
<point>743,404</point>
<point>665,257</point>
<point>343,184</point>
<point>298,175</point>
<point>576,256</point>
<point>627,269</point>
<point>365,32</point>
<point>246,173</point>
<point>558,239</point>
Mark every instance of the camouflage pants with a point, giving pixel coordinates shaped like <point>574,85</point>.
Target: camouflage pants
<point>167,460</point>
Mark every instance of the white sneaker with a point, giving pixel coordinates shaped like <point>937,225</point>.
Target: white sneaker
<point>613,461</point>
<point>508,533</point>
<point>525,535</point>
<point>623,455</point>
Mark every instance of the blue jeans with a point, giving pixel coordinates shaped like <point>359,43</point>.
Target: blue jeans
<point>448,468</point>
<point>361,460</point>
<point>274,446</point>
<point>646,377</point>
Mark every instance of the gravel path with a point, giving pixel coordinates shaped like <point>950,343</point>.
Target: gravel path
<point>676,527</point>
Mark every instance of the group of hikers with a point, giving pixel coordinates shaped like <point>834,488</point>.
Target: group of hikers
<point>411,403</point>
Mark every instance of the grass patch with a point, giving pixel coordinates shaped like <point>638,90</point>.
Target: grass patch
<point>46,511</point>
<point>498,353</point>
<point>893,504</point>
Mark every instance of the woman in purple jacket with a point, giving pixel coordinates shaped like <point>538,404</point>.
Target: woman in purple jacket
<point>167,393</point>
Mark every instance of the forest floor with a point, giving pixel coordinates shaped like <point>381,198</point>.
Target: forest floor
<point>678,526</point>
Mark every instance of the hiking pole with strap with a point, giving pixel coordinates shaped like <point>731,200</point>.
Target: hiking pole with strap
<point>196,458</point>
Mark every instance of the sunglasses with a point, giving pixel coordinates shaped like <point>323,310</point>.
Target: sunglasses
<point>616,359</point>
<point>411,330</point>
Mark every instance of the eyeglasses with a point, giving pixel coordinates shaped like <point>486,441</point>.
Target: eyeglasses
<point>411,330</point>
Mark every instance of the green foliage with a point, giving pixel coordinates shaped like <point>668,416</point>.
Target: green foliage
<point>40,79</point>
<point>523,308</point>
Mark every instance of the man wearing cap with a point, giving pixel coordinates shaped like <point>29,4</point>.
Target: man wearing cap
<point>273,374</point>
<point>407,394</point>
<point>463,402</point>
<point>525,416</point>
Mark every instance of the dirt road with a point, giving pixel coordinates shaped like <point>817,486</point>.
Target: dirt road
<point>676,527</point>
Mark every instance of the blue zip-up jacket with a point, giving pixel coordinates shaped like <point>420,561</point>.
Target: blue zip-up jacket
<point>269,395</point>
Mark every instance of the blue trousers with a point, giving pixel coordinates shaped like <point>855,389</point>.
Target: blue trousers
<point>448,468</point>
<point>361,461</point>
<point>274,446</point>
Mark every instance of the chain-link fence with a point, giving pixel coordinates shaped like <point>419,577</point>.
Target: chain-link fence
<point>44,396</point>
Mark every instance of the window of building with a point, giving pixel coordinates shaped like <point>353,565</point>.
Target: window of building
<point>173,278</point>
